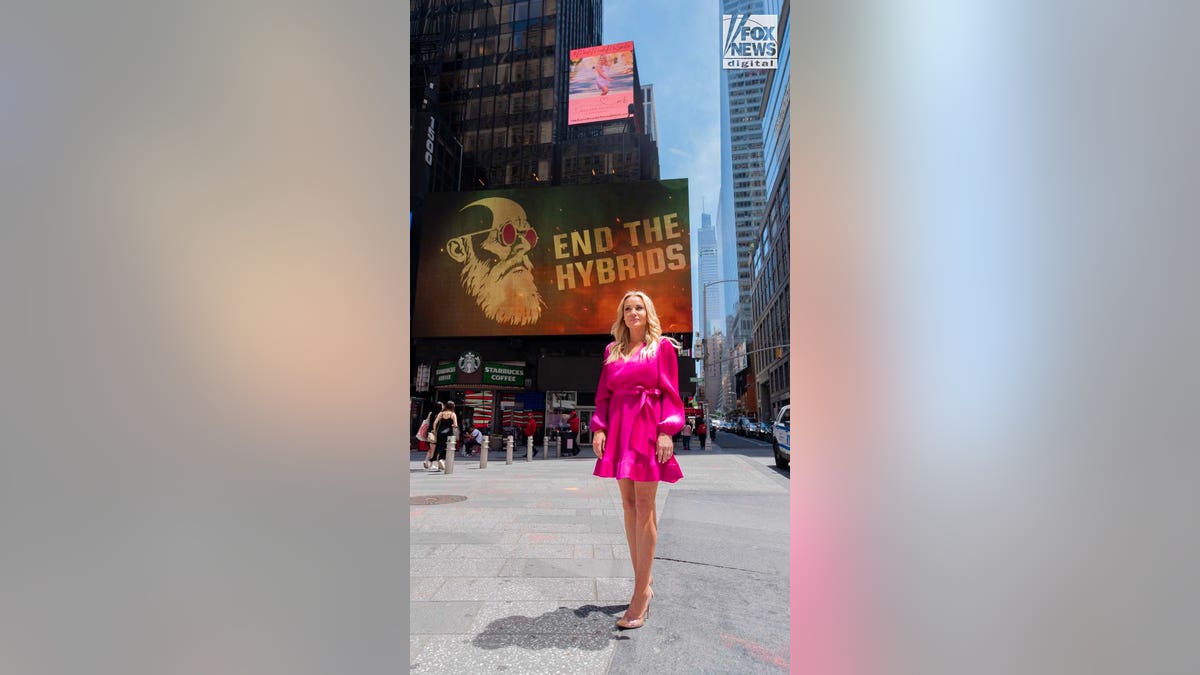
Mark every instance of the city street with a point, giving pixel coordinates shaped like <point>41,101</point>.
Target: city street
<point>751,448</point>
<point>524,567</point>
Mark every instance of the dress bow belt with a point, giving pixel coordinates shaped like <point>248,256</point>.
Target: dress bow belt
<point>646,412</point>
<point>639,391</point>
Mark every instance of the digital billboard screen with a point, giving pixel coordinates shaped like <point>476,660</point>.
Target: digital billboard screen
<point>552,261</point>
<point>600,83</point>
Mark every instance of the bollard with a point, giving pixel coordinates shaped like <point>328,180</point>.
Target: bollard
<point>529,449</point>
<point>558,446</point>
<point>483,451</point>
<point>450,454</point>
<point>508,449</point>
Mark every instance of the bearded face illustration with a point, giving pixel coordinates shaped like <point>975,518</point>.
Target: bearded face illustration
<point>496,269</point>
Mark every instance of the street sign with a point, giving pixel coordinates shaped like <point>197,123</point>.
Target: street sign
<point>695,379</point>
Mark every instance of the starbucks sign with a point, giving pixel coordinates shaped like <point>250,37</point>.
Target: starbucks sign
<point>470,369</point>
<point>503,373</point>
<point>469,362</point>
<point>445,374</point>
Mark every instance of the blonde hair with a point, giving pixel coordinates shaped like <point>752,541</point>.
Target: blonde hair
<point>621,347</point>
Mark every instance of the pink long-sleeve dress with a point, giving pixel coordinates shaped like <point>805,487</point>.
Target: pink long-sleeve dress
<point>635,401</point>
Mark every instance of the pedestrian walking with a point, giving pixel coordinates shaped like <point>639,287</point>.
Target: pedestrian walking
<point>702,432</point>
<point>444,424</point>
<point>637,400</point>
<point>687,437</point>
<point>573,423</point>
<point>425,433</point>
<point>531,432</point>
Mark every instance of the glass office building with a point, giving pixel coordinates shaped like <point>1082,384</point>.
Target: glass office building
<point>498,70</point>
<point>770,291</point>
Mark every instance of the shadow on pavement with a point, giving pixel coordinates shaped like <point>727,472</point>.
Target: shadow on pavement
<point>589,627</point>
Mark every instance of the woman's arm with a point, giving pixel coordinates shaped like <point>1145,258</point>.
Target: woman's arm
<point>671,419</point>
<point>603,395</point>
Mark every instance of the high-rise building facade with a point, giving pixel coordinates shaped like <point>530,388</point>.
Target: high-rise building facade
<point>742,176</point>
<point>712,309</point>
<point>770,291</point>
<point>613,151</point>
<point>648,112</point>
<point>743,200</point>
<point>498,72</point>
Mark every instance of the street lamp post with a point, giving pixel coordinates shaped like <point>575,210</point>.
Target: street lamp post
<point>704,333</point>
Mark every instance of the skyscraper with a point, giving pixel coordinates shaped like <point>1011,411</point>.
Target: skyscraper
<point>771,290</point>
<point>496,79</point>
<point>707,254</point>
<point>743,198</point>
<point>743,194</point>
<point>648,110</point>
<point>712,309</point>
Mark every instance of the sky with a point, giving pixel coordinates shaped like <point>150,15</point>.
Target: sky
<point>678,52</point>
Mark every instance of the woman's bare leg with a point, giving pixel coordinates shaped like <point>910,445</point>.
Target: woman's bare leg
<point>629,506</point>
<point>646,538</point>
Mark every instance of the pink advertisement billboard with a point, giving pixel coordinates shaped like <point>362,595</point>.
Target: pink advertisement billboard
<point>601,83</point>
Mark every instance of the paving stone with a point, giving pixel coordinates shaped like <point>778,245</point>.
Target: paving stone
<point>549,654</point>
<point>518,618</point>
<point>614,591</point>
<point>497,589</point>
<point>454,537</point>
<point>574,538</point>
<point>575,567</point>
<point>425,589</point>
<point>552,526</point>
<point>456,567</point>
<point>514,551</point>
<point>429,550</point>
<point>444,617</point>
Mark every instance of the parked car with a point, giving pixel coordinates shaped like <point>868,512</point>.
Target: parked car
<point>765,431</point>
<point>782,441</point>
<point>745,427</point>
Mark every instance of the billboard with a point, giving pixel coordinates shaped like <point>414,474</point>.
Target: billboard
<point>552,261</point>
<point>600,83</point>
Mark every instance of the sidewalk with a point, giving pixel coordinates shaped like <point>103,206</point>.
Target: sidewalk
<point>527,569</point>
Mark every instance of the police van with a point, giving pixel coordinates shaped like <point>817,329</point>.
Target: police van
<point>782,442</point>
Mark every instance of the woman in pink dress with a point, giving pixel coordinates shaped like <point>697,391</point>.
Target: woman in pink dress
<point>603,79</point>
<point>638,411</point>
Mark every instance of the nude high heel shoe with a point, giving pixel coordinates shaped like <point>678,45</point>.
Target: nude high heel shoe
<point>628,623</point>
